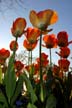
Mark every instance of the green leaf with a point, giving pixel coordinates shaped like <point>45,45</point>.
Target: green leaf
<point>0,74</point>
<point>1,106</point>
<point>51,101</point>
<point>3,100</point>
<point>18,89</point>
<point>29,88</point>
<point>31,106</point>
<point>42,94</point>
<point>10,79</point>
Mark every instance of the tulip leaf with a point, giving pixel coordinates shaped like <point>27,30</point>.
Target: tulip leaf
<point>42,94</point>
<point>1,106</point>
<point>18,89</point>
<point>31,106</point>
<point>29,88</point>
<point>3,100</point>
<point>10,79</point>
<point>51,101</point>
<point>0,74</point>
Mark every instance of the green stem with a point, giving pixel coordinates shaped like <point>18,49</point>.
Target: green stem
<point>41,75</point>
<point>50,58</point>
<point>40,48</point>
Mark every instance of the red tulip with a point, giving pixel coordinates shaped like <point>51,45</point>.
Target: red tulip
<point>4,53</point>
<point>32,34</point>
<point>64,52</point>
<point>18,65</point>
<point>28,45</point>
<point>64,64</point>
<point>50,41</point>
<point>62,39</point>
<point>44,60</point>
<point>13,45</point>
<point>18,27</point>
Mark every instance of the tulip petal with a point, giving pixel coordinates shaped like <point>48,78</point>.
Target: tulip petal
<point>54,18</point>
<point>33,18</point>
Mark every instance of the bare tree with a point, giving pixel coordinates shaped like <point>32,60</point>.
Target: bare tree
<point>22,56</point>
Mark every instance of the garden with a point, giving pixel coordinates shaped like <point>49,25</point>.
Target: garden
<point>39,82</point>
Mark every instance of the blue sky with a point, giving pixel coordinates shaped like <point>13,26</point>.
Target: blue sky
<point>12,10</point>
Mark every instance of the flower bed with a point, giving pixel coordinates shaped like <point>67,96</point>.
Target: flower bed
<point>38,83</point>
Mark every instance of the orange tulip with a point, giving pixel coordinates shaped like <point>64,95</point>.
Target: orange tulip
<point>28,45</point>
<point>43,19</point>
<point>18,27</point>
<point>50,41</point>
<point>64,64</point>
<point>4,54</point>
<point>64,52</point>
<point>13,45</point>
<point>18,65</point>
<point>32,34</point>
<point>44,60</point>
<point>36,69</point>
